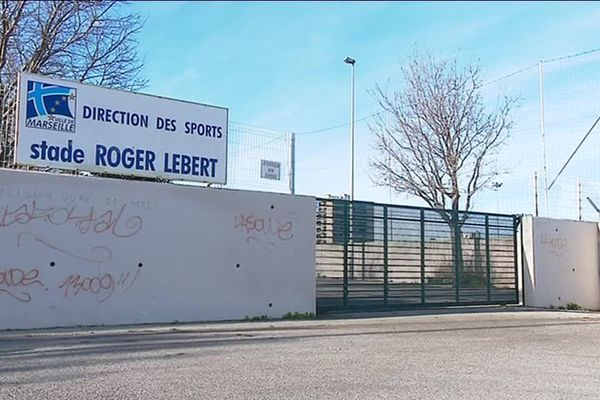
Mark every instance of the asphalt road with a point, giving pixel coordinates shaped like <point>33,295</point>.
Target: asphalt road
<point>478,355</point>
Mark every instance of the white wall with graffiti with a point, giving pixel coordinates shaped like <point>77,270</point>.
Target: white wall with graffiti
<point>90,251</point>
<point>561,264</point>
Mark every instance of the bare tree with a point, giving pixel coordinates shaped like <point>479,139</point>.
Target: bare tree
<point>435,136</point>
<point>87,41</point>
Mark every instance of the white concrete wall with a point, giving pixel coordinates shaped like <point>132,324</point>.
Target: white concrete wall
<point>561,263</point>
<point>88,251</point>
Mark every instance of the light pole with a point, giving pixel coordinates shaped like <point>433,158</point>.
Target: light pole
<point>495,187</point>
<point>351,61</point>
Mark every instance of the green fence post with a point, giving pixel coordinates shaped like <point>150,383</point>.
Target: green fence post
<point>362,254</point>
<point>522,251</point>
<point>488,261</point>
<point>346,234</point>
<point>516,222</point>
<point>385,255</point>
<point>422,256</point>
<point>457,257</point>
<point>351,237</point>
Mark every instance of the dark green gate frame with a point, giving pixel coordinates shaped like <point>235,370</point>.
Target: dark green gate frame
<point>412,257</point>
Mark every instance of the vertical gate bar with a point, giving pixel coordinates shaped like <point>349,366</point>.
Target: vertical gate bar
<point>422,256</point>
<point>351,237</point>
<point>363,260</point>
<point>385,255</point>
<point>522,250</point>
<point>516,221</point>
<point>345,256</point>
<point>488,261</point>
<point>457,249</point>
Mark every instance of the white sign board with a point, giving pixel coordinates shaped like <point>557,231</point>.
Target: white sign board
<point>69,125</point>
<point>270,170</point>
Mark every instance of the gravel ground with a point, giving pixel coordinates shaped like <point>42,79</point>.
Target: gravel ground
<point>446,355</point>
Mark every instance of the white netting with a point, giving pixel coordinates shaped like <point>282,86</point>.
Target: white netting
<point>569,86</point>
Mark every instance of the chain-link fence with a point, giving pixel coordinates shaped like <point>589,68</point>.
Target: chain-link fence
<point>258,159</point>
<point>7,124</point>
<point>558,105</point>
<point>571,106</point>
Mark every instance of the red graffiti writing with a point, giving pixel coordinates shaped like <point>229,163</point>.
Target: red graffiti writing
<point>250,224</point>
<point>15,281</point>
<point>83,219</point>
<point>557,245</point>
<point>99,254</point>
<point>104,286</point>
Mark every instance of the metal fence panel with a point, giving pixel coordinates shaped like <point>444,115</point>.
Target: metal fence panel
<point>376,256</point>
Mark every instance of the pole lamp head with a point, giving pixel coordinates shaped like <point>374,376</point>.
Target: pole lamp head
<point>349,60</point>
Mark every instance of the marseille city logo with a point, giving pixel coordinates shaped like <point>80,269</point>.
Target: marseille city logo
<point>50,107</point>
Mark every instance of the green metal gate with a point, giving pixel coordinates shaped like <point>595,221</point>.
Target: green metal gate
<point>378,256</point>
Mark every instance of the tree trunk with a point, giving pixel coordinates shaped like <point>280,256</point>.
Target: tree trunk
<point>457,248</point>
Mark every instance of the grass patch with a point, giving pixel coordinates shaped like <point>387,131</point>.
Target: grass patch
<point>299,316</point>
<point>573,306</point>
<point>257,318</point>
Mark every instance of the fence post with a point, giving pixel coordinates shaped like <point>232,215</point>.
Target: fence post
<point>457,256</point>
<point>422,256</point>
<point>385,256</point>
<point>522,250</point>
<point>516,223</point>
<point>488,263</point>
<point>351,237</point>
<point>543,135</point>
<point>292,174</point>
<point>579,198</point>
<point>346,238</point>
<point>535,194</point>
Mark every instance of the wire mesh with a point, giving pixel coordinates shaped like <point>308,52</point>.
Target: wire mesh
<point>571,107</point>
<point>557,107</point>
<point>248,148</point>
<point>7,124</point>
<point>514,162</point>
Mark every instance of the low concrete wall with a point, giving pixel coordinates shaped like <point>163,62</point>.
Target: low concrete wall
<point>88,251</point>
<point>561,263</point>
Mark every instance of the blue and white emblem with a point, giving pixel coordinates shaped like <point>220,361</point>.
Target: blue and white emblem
<point>50,106</point>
